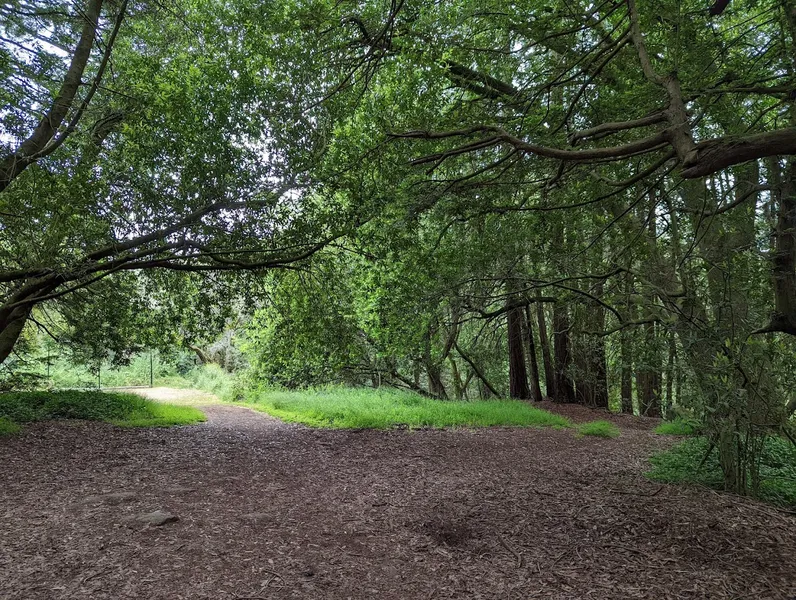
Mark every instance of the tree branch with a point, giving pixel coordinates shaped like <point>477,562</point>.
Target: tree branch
<point>654,118</point>
<point>502,137</point>
<point>714,155</point>
<point>12,165</point>
<point>476,370</point>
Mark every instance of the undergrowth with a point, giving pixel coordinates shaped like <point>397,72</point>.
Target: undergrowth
<point>681,464</point>
<point>8,427</point>
<point>677,427</point>
<point>213,379</point>
<point>124,410</point>
<point>358,408</point>
<point>604,429</point>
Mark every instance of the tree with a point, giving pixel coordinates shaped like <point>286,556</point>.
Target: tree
<point>631,145</point>
<point>150,154</point>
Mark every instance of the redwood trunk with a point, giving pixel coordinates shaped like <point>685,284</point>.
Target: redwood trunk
<point>565,389</point>
<point>518,376</point>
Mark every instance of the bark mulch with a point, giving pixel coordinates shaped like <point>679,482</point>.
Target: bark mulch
<point>270,510</point>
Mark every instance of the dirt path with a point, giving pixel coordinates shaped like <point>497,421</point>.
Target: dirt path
<point>269,510</point>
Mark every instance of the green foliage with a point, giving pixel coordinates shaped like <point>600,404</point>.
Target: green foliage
<point>604,429</point>
<point>342,408</point>
<point>678,426</point>
<point>681,464</point>
<point>126,410</point>
<point>8,427</point>
<point>213,379</point>
<point>307,334</point>
<point>68,371</point>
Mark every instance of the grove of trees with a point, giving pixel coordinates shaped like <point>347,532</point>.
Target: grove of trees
<point>593,202</point>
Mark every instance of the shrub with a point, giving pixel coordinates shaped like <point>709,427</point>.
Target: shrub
<point>694,461</point>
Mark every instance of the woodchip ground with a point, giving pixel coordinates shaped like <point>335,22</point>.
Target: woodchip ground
<point>271,510</point>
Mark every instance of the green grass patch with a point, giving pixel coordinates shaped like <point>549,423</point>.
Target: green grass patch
<point>777,468</point>
<point>125,410</point>
<point>353,408</point>
<point>8,427</point>
<point>677,427</point>
<point>604,429</point>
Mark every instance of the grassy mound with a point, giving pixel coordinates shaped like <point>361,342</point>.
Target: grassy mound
<point>124,410</point>
<point>8,427</point>
<point>676,427</point>
<point>777,469</point>
<point>384,409</point>
<point>604,429</point>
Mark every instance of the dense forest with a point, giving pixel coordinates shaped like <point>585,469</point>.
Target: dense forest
<point>592,202</point>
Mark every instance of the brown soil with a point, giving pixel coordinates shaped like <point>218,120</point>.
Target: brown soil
<point>269,510</point>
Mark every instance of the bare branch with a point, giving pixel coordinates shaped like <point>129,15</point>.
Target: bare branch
<point>654,118</point>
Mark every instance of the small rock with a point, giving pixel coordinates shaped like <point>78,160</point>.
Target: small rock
<point>112,498</point>
<point>157,518</point>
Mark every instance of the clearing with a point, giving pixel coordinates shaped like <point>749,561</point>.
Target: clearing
<point>273,510</point>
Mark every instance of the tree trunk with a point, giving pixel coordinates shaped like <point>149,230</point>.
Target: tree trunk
<point>536,389</point>
<point>648,382</point>
<point>626,390</point>
<point>669,401</point>
<point>200,354</point>
<point>784,262</point>
<point>435,385</point>
<point>600,375</point>
<point>598,372</point>
<point>458,388</point>
<point>544,342</point>
<point>10,329</point>
<point>648,378</point>
<point>565,389</point>
<point>584,384</point>
<point>626,356</point>
<point>432,366</point>
<point>518,376</point>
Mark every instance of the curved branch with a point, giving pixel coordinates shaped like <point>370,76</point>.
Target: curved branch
<point>714,155</point>
<point>56,142</point>
<point>500,136</point>
<point>476,370</point>
<point>603,128</point>
<point>15,163</point>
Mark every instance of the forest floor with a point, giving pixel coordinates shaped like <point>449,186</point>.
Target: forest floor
<point>272,510</point>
